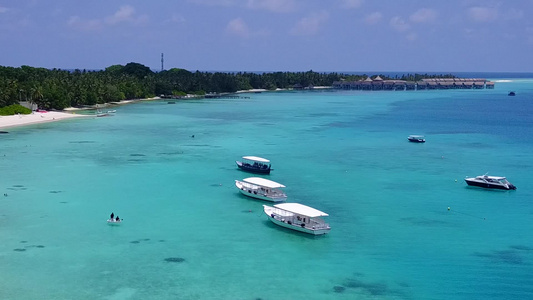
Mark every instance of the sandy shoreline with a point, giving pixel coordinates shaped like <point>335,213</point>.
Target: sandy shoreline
<point>54,116</point>
<point>36,118</point>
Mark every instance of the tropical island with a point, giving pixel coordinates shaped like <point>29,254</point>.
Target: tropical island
<point>59,89</point>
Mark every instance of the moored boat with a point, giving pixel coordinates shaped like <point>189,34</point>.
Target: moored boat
<point>416,138</point>
<point>261,188</point>
<point>490,182</point>
<point>114,221</point>
<point>298,217</point>
<point>101,114</point>
<point>254,164</point>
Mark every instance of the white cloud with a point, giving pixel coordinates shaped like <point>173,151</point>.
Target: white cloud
<point>310,25</point>
<point>412,36</point>
<point>277,6</point>
<point>352,3</point>
<point>3,9</point>
<point>483,14</point>
<point>177,18</point>
<point>423,15</point>
<point>373,18</point>
<point>238,27</point>
<point>78,23</point>
<point>399,24</point>
<point>125,13</point>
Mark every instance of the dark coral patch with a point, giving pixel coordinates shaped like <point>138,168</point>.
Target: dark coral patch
<point>39,246</point>
<point>175,259</point>
<point>511,257</point>
<point>339,289</point>
<point>170,153</point>
<point>135,242</point>
<point>55,192</point>
<point>19,249</point>
<point>374,288</point>
<point>521,247</point>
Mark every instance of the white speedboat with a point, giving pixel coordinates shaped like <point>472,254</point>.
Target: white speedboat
<point>490,182</point>
<point>261,188</point>
<point>298,217</point>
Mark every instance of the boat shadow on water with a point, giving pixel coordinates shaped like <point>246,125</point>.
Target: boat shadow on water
<point>484,190</point>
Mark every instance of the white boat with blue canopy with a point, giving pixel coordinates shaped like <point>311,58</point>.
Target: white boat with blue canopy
<point>298,217</point>
<point>261,188</point>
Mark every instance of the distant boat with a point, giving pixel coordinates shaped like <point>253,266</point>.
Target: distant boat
<point>106,113</point>
<point>298,217</point>
<point>254,164</point>
<point>114,221</point>
<point>100,113</point>
<point>512,94</point>
<point>416,138</point>
<point>261,188</point>
<point>490,182</point>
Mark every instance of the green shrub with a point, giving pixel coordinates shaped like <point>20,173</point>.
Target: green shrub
<point>14,109</point>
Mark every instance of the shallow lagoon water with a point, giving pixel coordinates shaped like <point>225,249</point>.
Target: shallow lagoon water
<point>189,234</point>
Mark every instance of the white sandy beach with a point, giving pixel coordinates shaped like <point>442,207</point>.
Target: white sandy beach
<point>36,117</point>
<point>52,116</point>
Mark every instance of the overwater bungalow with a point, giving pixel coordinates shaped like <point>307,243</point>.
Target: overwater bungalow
<point>378,84</point>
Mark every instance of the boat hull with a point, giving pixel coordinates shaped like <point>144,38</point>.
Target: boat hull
<point>417,140</point>
<point>281,221</point>
<point>489,185</point>
<point>254,193</point>
<point>250,168</point>
<point>113,222</point>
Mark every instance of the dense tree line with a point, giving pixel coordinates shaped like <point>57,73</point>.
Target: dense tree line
<point>58,89</point>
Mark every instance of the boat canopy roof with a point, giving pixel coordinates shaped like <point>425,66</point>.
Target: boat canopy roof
<point>301,209</point>
<point>416,136</point>
<point>256,158</point>
<point>263,182</point>
<point>491,177</point>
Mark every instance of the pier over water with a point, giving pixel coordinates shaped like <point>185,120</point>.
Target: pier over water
<point>378,84</point>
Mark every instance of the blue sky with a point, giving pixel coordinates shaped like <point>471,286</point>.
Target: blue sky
<point>270,35</point>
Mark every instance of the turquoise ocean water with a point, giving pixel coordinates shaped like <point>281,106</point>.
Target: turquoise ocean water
<point>343,152</point>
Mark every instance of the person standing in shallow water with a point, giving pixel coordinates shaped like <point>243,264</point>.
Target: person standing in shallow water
<point>112,216</point>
